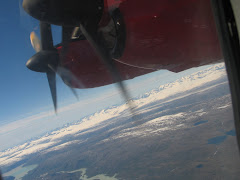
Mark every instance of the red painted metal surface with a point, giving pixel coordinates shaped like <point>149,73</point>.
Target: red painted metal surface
<point>160,34</point>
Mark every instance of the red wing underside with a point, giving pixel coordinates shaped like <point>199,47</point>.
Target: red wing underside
<point>172,35</point>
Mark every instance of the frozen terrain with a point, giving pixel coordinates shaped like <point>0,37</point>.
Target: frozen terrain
<point>170,135</point>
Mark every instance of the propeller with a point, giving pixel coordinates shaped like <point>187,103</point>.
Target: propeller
<point>98,43</point>
<point>84,12</point>
<point>35,41</point>
<point>47,59</point>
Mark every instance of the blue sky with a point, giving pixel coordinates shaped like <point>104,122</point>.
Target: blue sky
<point>22,91</point>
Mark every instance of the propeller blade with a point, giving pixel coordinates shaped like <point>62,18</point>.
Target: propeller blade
<point>66,37</point>
<point>74,92</point>
<point>46,36</point>
<point>97,42</point>
<point>101,51</point>
<point>46,59</point>
<point>51,76</point>
<point>47,44</point>
<point>66,74</point>
<point>35,41</point>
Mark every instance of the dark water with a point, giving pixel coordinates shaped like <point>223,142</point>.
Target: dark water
<point>200,122</point>
<point>231,133</point>
<point>199,166</point>
<point>217,140</point>
<point>220,139</point>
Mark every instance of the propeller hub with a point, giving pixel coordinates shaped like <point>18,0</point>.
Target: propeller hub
<point>43,61</point>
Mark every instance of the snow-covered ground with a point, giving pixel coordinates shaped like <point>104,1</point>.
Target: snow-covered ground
<point>50,142</point>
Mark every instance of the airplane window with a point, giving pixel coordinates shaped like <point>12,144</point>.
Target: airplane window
<point>119,90</point>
